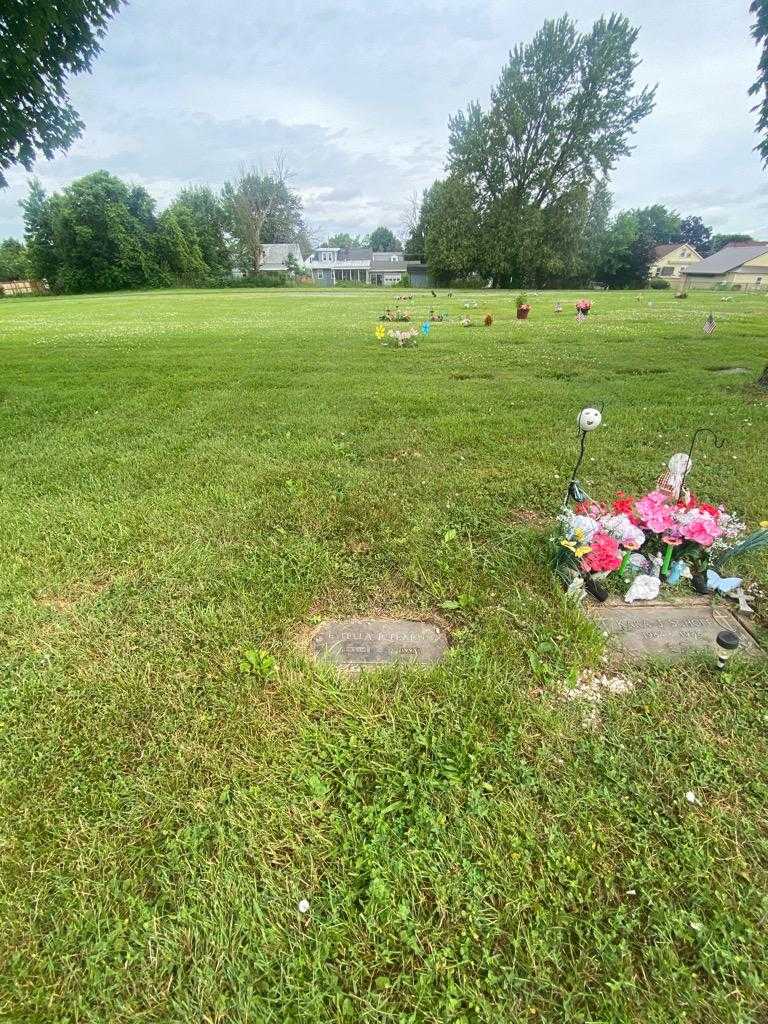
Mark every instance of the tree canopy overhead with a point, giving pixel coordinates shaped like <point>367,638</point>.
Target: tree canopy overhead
<point>41,45</point>
<point>760,87</point>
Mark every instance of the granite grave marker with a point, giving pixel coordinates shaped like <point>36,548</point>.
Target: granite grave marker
<point>670,630</point>
<point>359,643</point>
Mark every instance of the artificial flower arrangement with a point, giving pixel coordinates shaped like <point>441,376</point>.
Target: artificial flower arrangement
<point>466,321</point>
<point>404,339</point>
<point>523,307</point>
<point>662,537</point>
<point>583,306</point>
<point>437,318</point>
<point>395,316</point>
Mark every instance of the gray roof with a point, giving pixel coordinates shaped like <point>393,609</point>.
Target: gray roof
<point>274,255</point>
<point>728,258</point>
<point>391,261</point>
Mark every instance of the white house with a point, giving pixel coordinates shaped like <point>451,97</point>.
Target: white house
<point>275,254</point>
<point>331,266</point>
<point>672,260</point>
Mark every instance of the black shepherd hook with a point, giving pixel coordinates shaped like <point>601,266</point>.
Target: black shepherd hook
<point>719,442</point>
<point>574,490</point>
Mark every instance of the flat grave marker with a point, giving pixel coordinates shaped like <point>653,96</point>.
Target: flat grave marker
<point>671,630</point>
<point>353,644</point>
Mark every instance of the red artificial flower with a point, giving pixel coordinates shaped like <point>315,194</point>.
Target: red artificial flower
<point>714,512</point>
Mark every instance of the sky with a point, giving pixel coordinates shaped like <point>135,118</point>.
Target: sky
<point>357,97</point>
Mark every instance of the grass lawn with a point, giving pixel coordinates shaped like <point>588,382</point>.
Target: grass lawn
<point>190,475</point>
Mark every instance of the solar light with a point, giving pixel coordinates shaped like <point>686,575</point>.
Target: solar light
<point>727,642</point>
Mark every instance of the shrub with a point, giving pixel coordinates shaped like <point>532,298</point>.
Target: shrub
<point>521,300</point>
<point>278,280</point>
<point>658,283</point>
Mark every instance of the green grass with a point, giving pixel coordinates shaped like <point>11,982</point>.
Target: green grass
<point>191,475</point>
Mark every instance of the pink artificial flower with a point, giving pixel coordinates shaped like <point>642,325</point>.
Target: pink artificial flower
<point>701,528</point>
<point>604,556</point>
<point>654,512</point>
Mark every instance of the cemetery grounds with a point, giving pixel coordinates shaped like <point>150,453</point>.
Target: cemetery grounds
<point>192,481</point>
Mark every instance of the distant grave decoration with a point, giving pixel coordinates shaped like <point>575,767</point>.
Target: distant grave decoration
<point>523,307</point>
<point>437,318</point>
<point>645,546</point>
<point>402,339</point>
<point>488,320</point>
<point>396,316</point>
<point>466,321</point>
<point>710,325</point>
<point>583,307</point>
<point>762,380</point>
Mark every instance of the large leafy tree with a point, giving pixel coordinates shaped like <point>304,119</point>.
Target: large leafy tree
<point>43,43</point>
<point>719,241</point>
<point>695,232</point>
<point>384,240</point>
<point>97,234</point>
<point>261,207</point>
<point>658,224</point>
<point>451,237</point>
<point>177,248</point>
<point>760,87</point>
<point>343,240</point>
<point>14,263</point>
<point>560,118</point>
<point>200,206</point>
<point>626,254</point>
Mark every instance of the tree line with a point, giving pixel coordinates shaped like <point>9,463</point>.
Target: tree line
<point>101,234</point>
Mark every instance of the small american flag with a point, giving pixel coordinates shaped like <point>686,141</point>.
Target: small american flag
<point>709,325</point>
<point>580,317</point>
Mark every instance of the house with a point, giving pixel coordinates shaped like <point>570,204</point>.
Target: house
<point>672,260</point>
<point>330,266</point>
<point>274,256</point>
<point>739,265</point>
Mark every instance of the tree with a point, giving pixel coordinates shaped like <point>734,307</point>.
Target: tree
<point>593,238</point>
<point>695,232</point>
<point>260,208</point>
<point>626,255</point>
<point>559,119</point>
<point>760,87</point>
<point>383,240</point>
<point>658,224</point>
<point>42,44</point>
<point>97,234</point>
<point>206,212</point>
<point>452,240</point>
<point>343,240</point>
<point>292,267</point>
<point>177,249</point>
<point>14,265</point>
<point>720,241</point>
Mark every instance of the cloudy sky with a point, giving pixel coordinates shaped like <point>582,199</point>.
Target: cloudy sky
<point>358,97</point>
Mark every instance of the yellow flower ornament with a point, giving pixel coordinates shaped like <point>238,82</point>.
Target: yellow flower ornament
<point>381,331</point>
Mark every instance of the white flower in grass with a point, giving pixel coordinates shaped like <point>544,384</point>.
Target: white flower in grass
<point>303,906</point>
<point>691,797</point>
